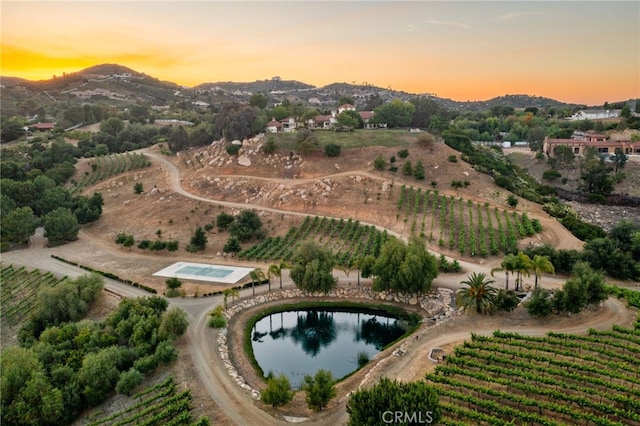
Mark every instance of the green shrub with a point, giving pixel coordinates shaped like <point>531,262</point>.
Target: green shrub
<point>217,321</point>
<point>363,359</point>
<point>453,158</point>
<point>129,380</point>
<point>551,174</point>
<point>233,149</point>
<point>332,150</point>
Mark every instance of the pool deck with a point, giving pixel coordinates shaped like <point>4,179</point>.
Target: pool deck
<point>204,272</point>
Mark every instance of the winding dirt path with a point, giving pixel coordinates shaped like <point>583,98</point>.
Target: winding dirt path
<point>236,403</point>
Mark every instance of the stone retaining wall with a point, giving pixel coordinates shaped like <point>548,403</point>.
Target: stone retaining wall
<point>437,306</point>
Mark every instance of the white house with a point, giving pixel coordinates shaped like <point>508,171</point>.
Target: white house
<point>595,114</point>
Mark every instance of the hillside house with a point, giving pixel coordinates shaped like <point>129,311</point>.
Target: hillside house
<point>274,126</point>
<point>41,127</point>
<point>580,142</point>
<point>594,114</point>
<point>345,107</point>
<point>367,119</point>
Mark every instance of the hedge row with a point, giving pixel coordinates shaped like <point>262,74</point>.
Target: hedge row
<point>108,275</point>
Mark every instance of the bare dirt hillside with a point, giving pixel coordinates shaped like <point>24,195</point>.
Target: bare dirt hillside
<point>191,189</point>
<point>605,216</point>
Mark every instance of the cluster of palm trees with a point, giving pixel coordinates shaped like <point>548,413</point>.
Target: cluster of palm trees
<point>522,266</point>
<point>257,276</point>
<point>480,295</point>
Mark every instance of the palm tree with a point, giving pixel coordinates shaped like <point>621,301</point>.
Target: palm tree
<point>233,292</point>
<point>523,267</point>
<point>275,271</point>
<point>256,276</point>
<point>217,312</point>
<point>509,265</point>
<point>478,295</point>
<point>540,265</point>
<point>282,265</point>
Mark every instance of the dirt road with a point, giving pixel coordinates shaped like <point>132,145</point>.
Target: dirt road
<point>236,403</point>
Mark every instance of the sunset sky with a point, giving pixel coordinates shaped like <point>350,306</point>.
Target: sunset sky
<point>576,51</point>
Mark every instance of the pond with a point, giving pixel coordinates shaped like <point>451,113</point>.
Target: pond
<point>298,343</point>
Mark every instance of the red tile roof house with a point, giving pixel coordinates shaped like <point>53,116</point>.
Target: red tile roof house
<point>274,126</point>
<point>42,127</point>
<point>345,107</point>
<point>322,122</point>
<point>367,117</point>
<point>602,143</point>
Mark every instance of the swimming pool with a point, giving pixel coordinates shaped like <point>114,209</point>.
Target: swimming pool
<point>204,272</point>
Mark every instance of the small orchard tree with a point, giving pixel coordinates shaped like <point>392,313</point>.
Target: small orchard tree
<point>379,163</point>
<point>198,241</point>
<point>232,246</point>
<point>138,188</point>
<point>278,391</point>
<point>173,284</point>
<point>407,168</point>
<point>418,171</point>
<point>319,389</point>
<point>512,200</point>
<point>224,220</point>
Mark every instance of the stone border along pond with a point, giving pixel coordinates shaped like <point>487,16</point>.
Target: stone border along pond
<point>436,304</point>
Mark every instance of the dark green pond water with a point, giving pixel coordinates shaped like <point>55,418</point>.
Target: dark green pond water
<point>298,343</point>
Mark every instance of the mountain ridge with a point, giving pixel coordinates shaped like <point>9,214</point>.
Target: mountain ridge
<point>120,74</point>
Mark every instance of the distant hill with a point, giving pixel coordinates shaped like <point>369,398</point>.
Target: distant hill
<point>119,85</point>
<point>515,101</point>
<point>260,86</point>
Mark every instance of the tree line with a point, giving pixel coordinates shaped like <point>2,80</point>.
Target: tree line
<point>64,365</point>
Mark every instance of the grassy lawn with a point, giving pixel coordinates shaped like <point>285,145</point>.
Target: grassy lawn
<point>356,139</point>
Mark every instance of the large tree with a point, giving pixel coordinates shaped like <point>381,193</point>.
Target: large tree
<point>178,139</point>
<point>404,269</point>
<point>312,268</point>
<point>18,225</point>
<point>247,225</point>
<point>61,226</point>
<point>425,109</point>
<point>395,114</point>
<point>238,121</point>
<point>350,119</point>
<point>596,175</point>
<point>28,397</point>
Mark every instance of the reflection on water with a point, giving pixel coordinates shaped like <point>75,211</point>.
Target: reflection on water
<point>298,343</point>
